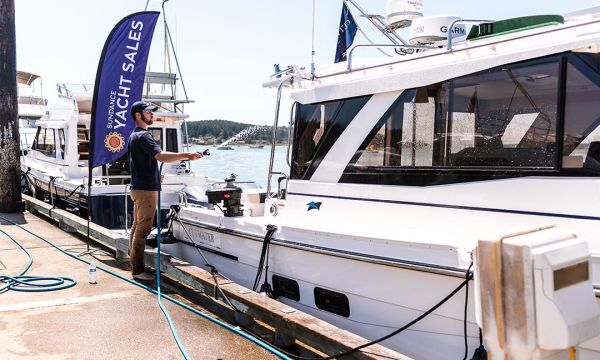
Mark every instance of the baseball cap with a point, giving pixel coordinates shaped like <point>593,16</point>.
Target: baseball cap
<point>140,106</point>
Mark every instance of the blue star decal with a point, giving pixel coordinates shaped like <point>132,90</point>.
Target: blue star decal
<point>314,205</point>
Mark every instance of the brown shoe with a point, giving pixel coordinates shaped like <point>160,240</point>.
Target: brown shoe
<point>144,277</point>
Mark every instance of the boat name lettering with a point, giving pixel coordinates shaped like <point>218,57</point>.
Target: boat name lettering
<point>128,66</point>
<point>203,235</point>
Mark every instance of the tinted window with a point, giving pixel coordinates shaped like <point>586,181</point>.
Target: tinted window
<point>399,140</point>
<point>332,301</point>
<point>44,142</point>
<point>286,287</point>
<point>317,128</point>
<point>581,147</point>
<point>503,119</point>
<point>172,140</point>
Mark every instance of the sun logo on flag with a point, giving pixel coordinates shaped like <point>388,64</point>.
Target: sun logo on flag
<point>114,142</point>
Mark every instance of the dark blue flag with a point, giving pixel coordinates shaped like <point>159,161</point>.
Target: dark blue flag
<point>347,31</point>
<point>119,83</point>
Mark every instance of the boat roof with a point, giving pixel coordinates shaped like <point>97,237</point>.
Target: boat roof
<point>170,114</point>
<point>359,77</point>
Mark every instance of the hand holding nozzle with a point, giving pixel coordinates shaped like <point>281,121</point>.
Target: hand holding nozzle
<point>197,155</point>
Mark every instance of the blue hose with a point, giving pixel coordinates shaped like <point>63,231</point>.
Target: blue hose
<point>243,334</point>
<point>26,283</point>
<point>158,293</point>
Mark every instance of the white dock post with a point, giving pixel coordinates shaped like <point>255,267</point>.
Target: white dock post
<point>534,296</point>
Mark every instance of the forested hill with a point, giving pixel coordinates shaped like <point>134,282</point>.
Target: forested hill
<point>217,131</point>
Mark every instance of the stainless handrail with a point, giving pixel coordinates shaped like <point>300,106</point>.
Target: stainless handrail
<point>292,123</point>
<point>444,53</point>
<point>273,141</point>
<point>279,184</point>
<point>106,177</point>
<point>290,70</point>
<point>418,47</point>
<point>182,195</point>
<point>457,21</point>
<point>380,25</point>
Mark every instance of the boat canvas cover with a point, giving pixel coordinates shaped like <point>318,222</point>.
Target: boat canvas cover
<point>26,78</point>
<point>516,24</point>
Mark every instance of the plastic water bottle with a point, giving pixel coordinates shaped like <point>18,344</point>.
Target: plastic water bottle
<point>92,273</point>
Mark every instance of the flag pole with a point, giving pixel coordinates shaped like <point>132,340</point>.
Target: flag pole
<point>312,64</point>
<point>119,81</point>
<point>89,250</point>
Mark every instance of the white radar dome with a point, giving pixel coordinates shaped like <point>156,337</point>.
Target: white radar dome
<point>433,30</point>
<point>400,13</point>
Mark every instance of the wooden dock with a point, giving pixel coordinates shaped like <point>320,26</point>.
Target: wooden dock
<point>288,325</point>
<point>109,320</point>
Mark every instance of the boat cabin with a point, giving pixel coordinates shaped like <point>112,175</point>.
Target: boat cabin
<point>64,146</point>
<point>538,117</point>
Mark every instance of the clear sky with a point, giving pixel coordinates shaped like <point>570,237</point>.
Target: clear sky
<point>226,48</point>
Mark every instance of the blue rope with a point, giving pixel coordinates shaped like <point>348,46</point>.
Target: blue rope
<point>27,283</point>
<point>239,332</point>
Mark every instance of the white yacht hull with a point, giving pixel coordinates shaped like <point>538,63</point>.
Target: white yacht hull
<point>394,259</point>
<point>382,297</point>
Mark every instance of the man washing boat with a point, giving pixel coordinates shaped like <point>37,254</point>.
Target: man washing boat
<point>144,154</point>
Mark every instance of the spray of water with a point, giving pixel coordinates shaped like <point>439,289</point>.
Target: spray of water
<point>244,134</point>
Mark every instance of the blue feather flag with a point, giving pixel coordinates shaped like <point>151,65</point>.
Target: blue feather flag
<point>119,83</point>
<point>347,32</point>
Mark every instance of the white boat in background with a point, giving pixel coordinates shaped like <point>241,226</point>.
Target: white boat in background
<point>56,166</point>
<point>399,165</point>
<point>32,106</point>
<point>81,93</point>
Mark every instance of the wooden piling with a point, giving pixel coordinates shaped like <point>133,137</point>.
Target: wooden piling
<point>10,172</point>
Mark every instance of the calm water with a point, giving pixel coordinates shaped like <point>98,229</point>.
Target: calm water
<point>249,164</point>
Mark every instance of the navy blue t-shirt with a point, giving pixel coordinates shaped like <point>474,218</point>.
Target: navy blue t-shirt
<point>142,164</point>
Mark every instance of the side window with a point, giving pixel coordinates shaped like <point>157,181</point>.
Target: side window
<point>47,147</point>
<point>157,135</point>
<point>405,136</point>
<point>497,120</point>
<point>581,146</point>
<point>504,118</point>
<point>38,139</point>
<point>61,141</point>
<point>172,140</point>
<point>317,128</point>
